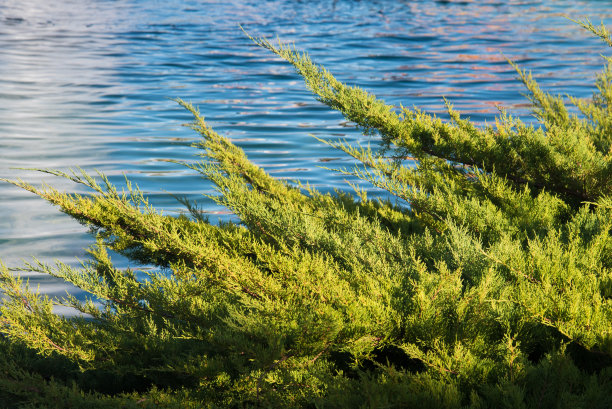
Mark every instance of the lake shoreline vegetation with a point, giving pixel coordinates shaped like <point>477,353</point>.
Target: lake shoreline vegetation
<point>485,281</point>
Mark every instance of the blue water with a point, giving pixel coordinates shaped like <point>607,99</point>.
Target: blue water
<point>87,83</point>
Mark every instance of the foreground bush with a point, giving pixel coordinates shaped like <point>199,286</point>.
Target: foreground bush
<point>485,281</point>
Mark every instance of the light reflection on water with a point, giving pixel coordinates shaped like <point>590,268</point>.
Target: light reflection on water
<point>86,83</point>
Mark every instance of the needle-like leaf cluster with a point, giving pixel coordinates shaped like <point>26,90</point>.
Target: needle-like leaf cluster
<point>484,280</point>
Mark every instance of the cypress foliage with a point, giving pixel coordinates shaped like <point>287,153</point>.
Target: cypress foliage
<point>484,281</point>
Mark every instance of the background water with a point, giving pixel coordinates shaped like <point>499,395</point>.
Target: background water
<point>86,83</point>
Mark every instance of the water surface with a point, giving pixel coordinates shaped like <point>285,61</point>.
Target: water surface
<point>87,83</point>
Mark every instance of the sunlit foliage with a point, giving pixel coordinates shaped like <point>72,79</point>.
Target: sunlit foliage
<point>484,281</point>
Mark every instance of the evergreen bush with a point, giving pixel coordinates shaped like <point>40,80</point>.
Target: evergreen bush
<point>485,281</point>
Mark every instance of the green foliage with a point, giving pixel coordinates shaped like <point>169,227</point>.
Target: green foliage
<point>485,280</point>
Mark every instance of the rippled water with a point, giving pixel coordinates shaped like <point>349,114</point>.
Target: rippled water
<point>87,83</point>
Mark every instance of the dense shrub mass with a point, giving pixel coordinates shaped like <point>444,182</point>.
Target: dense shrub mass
<point>484,282</point>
